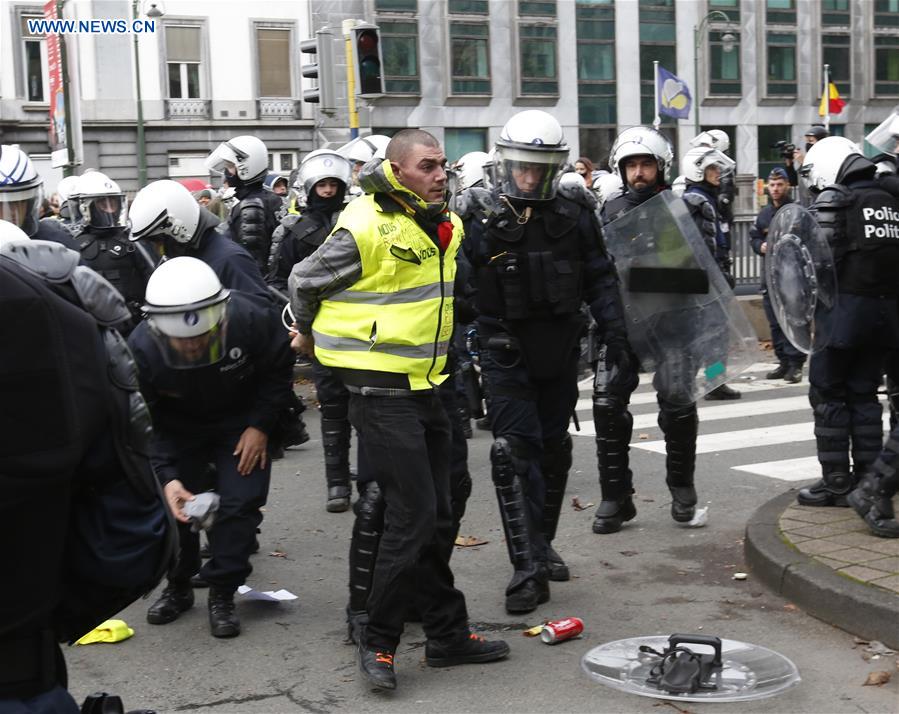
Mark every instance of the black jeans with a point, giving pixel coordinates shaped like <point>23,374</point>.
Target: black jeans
<point>407,442</point>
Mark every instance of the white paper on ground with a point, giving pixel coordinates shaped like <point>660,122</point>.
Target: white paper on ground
<point>266,595</point>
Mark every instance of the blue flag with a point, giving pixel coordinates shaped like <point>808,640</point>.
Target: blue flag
<point>674,95</point>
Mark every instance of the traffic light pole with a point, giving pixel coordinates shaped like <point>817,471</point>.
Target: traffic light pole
<point>350,79</point>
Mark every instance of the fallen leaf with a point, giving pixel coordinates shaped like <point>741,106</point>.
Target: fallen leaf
<point>469,541</point>
<point>878,648</point>
<point>643,437</point>
<point>278,554</point>
<point>578,506</point>
<point>789,607</point>
<point>877,679</point>
<point>628,553</point>
<point>533,631</point>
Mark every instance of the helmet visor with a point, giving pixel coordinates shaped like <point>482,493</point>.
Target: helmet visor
<point>107,212</point>
<point>22,208</point>
<point>223,157</point>
<point>528,175</point>
<point>884,138</point>
<point>191,352</point>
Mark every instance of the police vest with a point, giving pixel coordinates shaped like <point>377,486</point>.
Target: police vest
<point>535,270</point>
<point>871,265</point>
<point>115,258</point>
<point>398,317</point>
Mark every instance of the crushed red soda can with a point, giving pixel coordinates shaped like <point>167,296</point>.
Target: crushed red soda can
<point>557,631</point>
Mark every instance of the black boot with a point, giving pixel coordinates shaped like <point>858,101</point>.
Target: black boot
<point>830,490</point>
<point>356,621</point>
<point>177,597</point>
<point>873,501</point>
<point>723,393</point>
<point>778,373</point>
<point>222,620</point>
<point>336,443</point>
<point>614,427</point>
<point>793,374</point>
<point>555,464</point>
<point>680,426</point>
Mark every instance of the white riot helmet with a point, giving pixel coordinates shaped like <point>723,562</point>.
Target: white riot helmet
<point>323,164</point>
<point>164,209</point>
<point>247,154</point>
<point>100,202</point>
<point>641,141</point>
<point>606,186</point>
<point>885,136</point>
<point>694,163</point>
<point>529,156</point>
<point>66,187</point>
<point>678,186</point>
<point>9,232</point>
<point>714,138</point>
<point>363,149</point>
<point>20,189</point>
<point>824,160</point>
<point>470,169</point>
<point>186,307</point>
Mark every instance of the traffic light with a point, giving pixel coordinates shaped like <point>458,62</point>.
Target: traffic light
<point>322,69</point>
<point>367,48</point>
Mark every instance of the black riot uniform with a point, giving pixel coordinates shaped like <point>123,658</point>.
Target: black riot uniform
<point>861,223</point>
<point>253,219</point>
<point>534,264</point>
<point>199,415</point>
<point>60,440</point>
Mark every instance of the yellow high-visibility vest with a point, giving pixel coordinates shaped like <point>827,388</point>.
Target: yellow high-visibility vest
<point>398,317</point>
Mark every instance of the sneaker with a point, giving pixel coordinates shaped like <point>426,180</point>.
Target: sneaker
<point>794,374</point>
<point>377,667</point>
<point>777,373</point>
<point>175,599</point>
<point>722,393</point>
<point>473,649</point>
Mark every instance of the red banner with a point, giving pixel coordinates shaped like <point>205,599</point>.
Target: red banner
<point>57,131</point>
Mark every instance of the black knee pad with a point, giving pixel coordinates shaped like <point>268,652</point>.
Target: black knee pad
<point>678,421</point>
<point>556,458</point>
<point>336,409</point>
<point>508,458</point>
<point>369,507</point>
<point>611,415</point>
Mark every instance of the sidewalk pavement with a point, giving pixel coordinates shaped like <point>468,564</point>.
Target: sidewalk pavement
<point>827,562</point>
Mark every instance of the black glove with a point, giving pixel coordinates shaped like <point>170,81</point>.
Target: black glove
<point>618,355</point>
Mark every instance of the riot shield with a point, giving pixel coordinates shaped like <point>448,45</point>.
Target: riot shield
<point>682,668</point>
<point>684,322</point>
<point>801,278</point>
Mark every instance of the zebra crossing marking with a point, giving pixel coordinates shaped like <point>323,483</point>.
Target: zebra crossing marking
<point>805,468</point>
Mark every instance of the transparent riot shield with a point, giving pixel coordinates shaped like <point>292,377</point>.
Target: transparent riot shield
<point>684,322</point>
<point>801,278</point>
<point>690,668</point>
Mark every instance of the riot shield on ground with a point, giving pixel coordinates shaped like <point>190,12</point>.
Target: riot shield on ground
<point>684,322</point>
<point>801,278</point>
<point>691,668</point>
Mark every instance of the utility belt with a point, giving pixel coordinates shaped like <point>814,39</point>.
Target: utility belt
<point>30,663</point>
<point>372,383</point>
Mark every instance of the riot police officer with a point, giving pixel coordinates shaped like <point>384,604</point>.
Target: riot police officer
<point>324,176</point>
<point>640,156</point>
<point>703,169</point>
<point>860,221</point>
<point>21,193</point>
<point>103,239</point>
<point>244,163</point>
<point>215,396</point>
<point>536,259</point>
<point>718,139</point>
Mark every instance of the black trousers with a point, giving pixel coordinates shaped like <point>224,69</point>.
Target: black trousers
<point>232,535</point>
<point>784,350</point>
<point>407,442</point>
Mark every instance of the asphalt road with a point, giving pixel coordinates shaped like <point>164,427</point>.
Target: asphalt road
<point>653,578</point>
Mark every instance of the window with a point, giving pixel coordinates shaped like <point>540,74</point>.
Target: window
<point>396,5</point>
<point>769,155</point>
<point>731,8</point>
<point>596,144</point>
<point>781,67</point>
<point>34,63</point>
<point>724,65</point>
<point>468,7</point>
<point>399,50</point>
<point>835,12</point>
<point>273,46</point>
<point>886,13</point>
<point>595,22</point>
<point>188,166</point>
<point>183,56</point>
<point>657,43</point>
<point>470,58</point>
<point>537,59</point>
<point>532,8</point>
<point>780,12</point>
<point>836,50</point>
<point>282,162</point>
<point>886,65</point>
<point>458,142</point>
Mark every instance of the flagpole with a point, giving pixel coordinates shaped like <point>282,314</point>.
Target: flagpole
<point>655,75</point>
<point>827,97</point>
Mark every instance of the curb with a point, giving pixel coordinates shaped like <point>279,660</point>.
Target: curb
<point>862,610</point>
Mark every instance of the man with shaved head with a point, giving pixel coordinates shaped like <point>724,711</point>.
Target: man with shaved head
<point>375,304</point>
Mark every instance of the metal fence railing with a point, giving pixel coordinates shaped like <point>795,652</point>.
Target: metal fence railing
<point>747,266</point>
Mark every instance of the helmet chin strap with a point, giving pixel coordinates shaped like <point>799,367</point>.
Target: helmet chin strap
<point>520,218</point>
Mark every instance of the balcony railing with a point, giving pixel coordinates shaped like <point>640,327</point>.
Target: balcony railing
<point>187,108</point>
<point>277,108</point>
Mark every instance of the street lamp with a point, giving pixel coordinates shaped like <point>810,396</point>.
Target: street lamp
<point>154,12</point>
<point>728,40</point>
